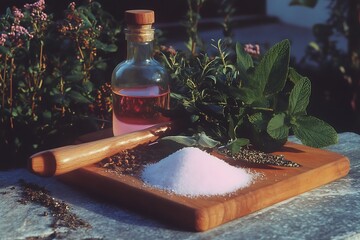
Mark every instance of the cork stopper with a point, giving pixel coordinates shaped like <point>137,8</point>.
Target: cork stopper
<point>139,25</point>
<point>139,17</point>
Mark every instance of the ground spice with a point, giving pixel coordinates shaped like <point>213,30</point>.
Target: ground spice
<point>60,211</point>
<point>132,161</point>
<point>258,157</point>
<point>193,172</point>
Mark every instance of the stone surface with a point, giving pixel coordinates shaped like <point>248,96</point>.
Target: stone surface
<point>328,212</point>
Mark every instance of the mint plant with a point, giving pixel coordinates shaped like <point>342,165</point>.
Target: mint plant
<point>236,99</point>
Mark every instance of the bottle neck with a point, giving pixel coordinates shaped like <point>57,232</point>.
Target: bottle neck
<point>139,42</point>
<point>139,51</point>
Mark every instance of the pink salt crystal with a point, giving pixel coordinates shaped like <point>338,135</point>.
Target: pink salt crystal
<point>193,172</point>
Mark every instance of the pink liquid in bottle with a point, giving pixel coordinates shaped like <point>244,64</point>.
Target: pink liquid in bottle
<point>135,109</point>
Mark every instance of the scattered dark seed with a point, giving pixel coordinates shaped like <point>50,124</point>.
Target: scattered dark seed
<point>56,235</point>
<point>132,161</point>
<point>255,156</point>
<point>62,217</point>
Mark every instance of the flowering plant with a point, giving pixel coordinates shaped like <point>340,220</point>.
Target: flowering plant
<point>50,84</point>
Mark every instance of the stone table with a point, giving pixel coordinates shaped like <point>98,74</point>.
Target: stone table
<point>328,212</point>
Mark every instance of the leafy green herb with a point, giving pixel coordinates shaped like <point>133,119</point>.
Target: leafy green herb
<point>200,140</point>
<point>236,145</point>
<point>314,132</point>
<point>236,99</point>
<point>277,128</point>
<point>299,96</point>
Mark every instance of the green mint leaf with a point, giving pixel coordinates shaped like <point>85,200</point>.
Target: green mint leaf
<point>243,60</point>
<point>294,76</point>
<point>277,128</point>
<point>314,132</point>
<point>206,141</point>
<point>260,102</point>
<point>231,128</point>
<point>246,95</point>
<point>271,73</point>
<point>237,144</point>
<point>188,141</point>
<point>299,96</point>
<point>258,121</point>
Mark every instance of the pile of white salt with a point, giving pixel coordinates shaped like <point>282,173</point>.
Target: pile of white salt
<point>193,172</point>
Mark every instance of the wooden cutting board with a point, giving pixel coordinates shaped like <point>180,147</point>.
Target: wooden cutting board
<point>200,214</point>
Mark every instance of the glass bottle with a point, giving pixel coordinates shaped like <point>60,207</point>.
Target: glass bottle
<point>140,83</point>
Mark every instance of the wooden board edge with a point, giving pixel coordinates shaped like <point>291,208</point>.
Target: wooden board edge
<point>334,171</point>
<point>184,217</point>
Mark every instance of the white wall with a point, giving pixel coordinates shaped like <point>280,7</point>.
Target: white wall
<point>298,15</point>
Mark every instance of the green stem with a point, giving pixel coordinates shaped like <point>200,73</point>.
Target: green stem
<point>263,109</point>
<point>222,56</point>
<point>205,67</point>
<point>81,54</point>
<point>11,92</point>
<point>4,83</point>
<point>37,78</point>
<point>41,55</point>
<point>193,47</point>
<point>62,92</point>
<point>193,24</point>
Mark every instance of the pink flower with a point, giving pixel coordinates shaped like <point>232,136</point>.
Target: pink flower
<point>72,6</point>
<point>3,38</point>
<point>40,5</point>
<point>37,9</point>
<point>43,16</point>
<point>18,15</point>
<point>168,49</point>
<point>253,50</point>
<point>17,34</point>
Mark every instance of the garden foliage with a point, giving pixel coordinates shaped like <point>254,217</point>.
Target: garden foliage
<point>235,99</point>
<point>54,84</point>
<point>51,81</point>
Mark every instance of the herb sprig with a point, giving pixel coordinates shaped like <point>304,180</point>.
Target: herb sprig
<point>235,99</point>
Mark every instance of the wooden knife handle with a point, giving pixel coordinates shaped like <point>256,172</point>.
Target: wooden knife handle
<point>65,159</point>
